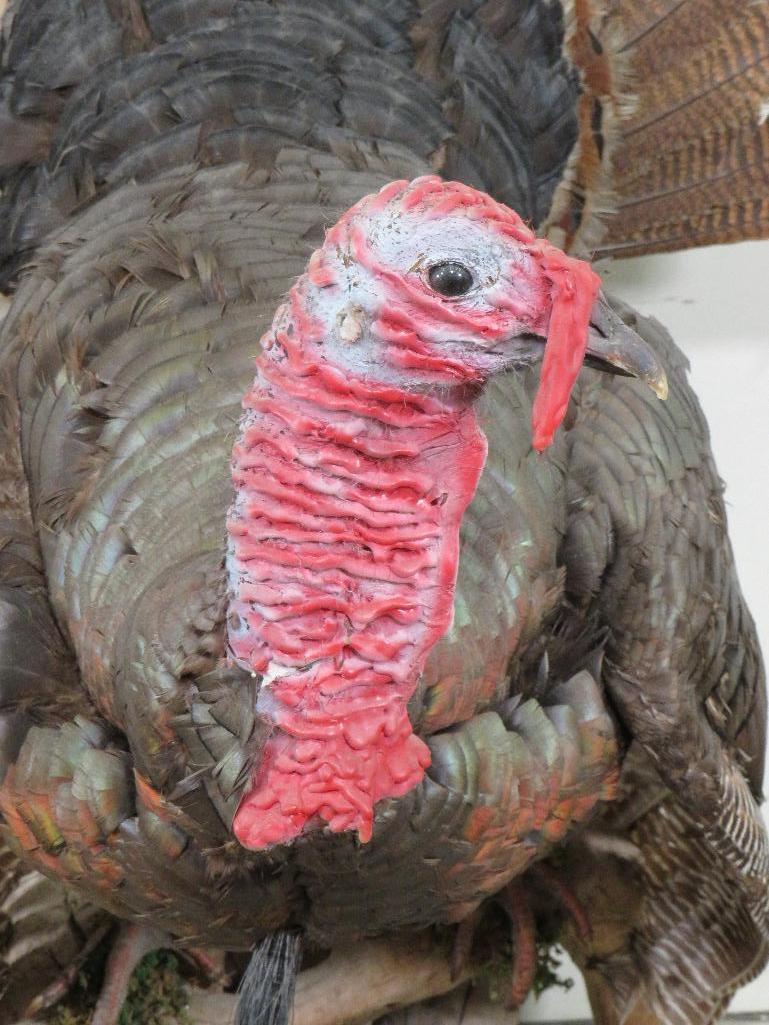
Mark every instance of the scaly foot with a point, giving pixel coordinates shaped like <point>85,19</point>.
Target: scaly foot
<point>133,942</point>
<point>516,901</point>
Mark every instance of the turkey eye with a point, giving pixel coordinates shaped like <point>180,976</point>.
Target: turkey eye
<point>450,279</point>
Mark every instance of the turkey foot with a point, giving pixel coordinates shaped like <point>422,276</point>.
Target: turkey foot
<point>516,902</point>
<point>131,945</point>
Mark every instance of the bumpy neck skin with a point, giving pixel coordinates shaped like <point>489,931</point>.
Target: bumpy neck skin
<point>344,543</point>
<point>358,454</point>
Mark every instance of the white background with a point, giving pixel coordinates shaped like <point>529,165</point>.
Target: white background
<point>715,303</point>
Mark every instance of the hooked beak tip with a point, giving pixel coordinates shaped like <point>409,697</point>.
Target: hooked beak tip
<point>616,348</point>
<point>660,386</point>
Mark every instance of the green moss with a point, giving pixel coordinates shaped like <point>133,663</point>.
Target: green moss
<point>495,976</point>
<point>64,1016</point>
<point>156,995</point>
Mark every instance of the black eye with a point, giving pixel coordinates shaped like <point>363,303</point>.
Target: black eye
<point>450,279</point>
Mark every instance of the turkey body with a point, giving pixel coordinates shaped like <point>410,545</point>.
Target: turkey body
<point>180,162</point>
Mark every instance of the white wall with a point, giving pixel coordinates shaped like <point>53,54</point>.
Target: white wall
<point>715,303</point>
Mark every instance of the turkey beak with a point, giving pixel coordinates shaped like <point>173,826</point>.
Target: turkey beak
<point>615,348</point>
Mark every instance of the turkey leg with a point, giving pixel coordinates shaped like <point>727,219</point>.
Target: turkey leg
<point>132,943</point>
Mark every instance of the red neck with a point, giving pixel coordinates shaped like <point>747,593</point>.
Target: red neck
<point>344,543</point>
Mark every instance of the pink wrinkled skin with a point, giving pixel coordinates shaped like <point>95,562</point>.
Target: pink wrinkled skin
<point>351,486</point>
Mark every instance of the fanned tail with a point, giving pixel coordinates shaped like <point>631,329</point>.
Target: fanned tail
<point>693,164</point>
<point>673,147</point>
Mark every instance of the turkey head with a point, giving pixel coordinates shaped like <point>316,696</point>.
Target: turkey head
<point>359,451</point>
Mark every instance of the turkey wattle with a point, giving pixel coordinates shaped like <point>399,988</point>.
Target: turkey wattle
<point>359,452</point>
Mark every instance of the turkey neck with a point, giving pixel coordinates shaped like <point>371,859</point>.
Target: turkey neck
<point>342,564</point>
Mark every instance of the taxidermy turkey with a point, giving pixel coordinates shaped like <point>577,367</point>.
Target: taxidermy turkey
<point>348,643</point>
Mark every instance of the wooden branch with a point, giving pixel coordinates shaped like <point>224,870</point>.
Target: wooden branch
<point>364,982</point>
<point>352,985</point>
